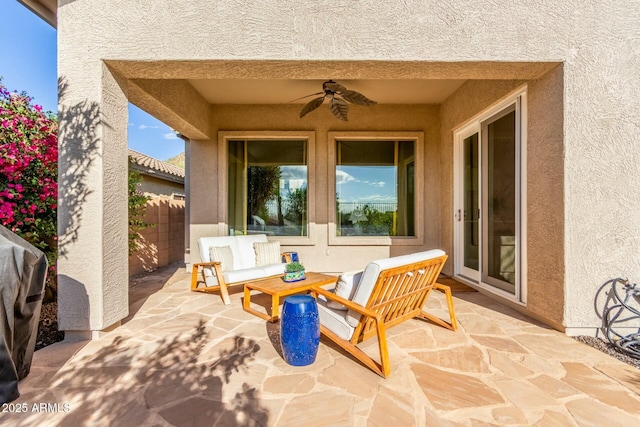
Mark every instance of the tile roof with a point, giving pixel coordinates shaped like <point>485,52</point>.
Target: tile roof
<point>155,164</point>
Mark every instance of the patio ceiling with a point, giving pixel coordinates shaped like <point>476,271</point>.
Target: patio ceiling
<point>180,93</point>
<point>281,91</point>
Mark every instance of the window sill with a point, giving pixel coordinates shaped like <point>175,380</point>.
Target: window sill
<point>372,240</point>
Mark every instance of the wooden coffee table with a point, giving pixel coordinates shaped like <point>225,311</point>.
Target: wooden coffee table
<point>277,287</point>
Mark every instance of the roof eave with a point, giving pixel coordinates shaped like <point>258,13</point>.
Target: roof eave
<point>144,170</point>
<point>47,10</point>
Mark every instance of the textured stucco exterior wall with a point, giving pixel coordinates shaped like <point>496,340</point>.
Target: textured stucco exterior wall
<point>546,287</point>
<point>92,203</point>
<point>320,256</point>
<point>597,42</point>
<point>175,102</point>
<point>545,169</point>
<point>160,187</point>
<point>469,100</point>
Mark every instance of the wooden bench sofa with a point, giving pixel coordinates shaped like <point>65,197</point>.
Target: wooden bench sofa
<point>235,260</point>
<point>387,292</point>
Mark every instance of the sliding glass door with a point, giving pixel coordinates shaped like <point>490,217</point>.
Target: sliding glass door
<point>498,196</point>
<point>488,197</point>
<point>469,215</point>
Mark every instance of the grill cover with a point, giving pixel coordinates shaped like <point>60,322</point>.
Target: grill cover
<point>23,271</point>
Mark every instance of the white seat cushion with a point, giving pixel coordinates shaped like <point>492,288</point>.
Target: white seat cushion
<point>372,271</point>
<point>243,275</point>
<point>273,269</point>
<point>255,273</point>
<point>334,320</point>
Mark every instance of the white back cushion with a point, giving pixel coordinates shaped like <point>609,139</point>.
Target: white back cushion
<point>204,243</point>
<point>246,254</point>
<point>345,288</point>
<point>267,253</point>
<point>372,271</point>
<point>241,246</point>
<point>223,255</point>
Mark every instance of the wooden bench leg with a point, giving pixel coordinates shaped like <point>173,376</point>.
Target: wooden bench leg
<point>224,293</point>
<point>194,277</point>
<point>383,369</point>
<point>384,350</point>
<point>222,286</point>
<point>452,313</point>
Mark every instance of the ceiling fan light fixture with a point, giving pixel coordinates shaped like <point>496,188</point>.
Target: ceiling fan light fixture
<point>339,96</point>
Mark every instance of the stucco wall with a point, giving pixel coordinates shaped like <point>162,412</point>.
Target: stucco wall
<point>470,99</point>
<point>546,286</point>
<point>159,186</point>
<point>597,42</point>
<point>320,256</point>
<point>545,170</point>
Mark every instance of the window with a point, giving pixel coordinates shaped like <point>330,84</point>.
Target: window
<point>376,179</point>
<point>267,186</point>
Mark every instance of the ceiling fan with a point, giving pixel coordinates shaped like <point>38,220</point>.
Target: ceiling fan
<point>339,99</point>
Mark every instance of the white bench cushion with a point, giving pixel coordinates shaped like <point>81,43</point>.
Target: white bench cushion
<point>247,253</point>
<point>274,269</point>
<point>255,273</point>
<point>244,255</point>
<point>205,243</point>
<point>267,253</point>
<point>345,288</point>
<point>222,254</point>
<point>334,320</point>
<point>244,259</point>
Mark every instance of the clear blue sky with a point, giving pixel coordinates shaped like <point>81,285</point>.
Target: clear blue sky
<point>28,63</point>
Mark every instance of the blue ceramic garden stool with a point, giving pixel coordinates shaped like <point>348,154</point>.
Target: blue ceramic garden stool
<point>300,330</point>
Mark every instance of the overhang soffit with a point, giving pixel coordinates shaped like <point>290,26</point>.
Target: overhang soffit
<point>278,69</point>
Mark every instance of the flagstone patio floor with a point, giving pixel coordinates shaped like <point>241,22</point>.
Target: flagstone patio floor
<point>185,359</point>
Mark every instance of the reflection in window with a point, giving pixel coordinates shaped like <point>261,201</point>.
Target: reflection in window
<point>267,191</point>
<point>375,188</point>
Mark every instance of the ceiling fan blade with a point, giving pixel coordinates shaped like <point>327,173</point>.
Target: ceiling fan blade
<point>339,108</point>
<point>306,96</point>
<point>357,98</point>
<point>311,105</point>
<point>332,86</point>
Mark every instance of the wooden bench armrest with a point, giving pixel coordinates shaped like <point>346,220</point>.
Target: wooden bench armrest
<point>287,256</point>
<point>349,304</point>
<point>217,266</point>
<point>206,264</point>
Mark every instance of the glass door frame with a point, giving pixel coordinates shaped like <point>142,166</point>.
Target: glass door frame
<point>460,213</point>
<point>478,125</point>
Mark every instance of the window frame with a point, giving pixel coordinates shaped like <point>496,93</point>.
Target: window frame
<point>418,239</point>
<point>223,173</point>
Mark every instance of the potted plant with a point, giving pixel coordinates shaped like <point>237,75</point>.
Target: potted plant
<point>294,272</point>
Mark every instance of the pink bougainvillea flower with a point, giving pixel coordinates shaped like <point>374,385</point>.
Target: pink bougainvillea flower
<point>28,170</point>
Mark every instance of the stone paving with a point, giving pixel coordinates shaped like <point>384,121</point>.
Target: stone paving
<point>185,359</point>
